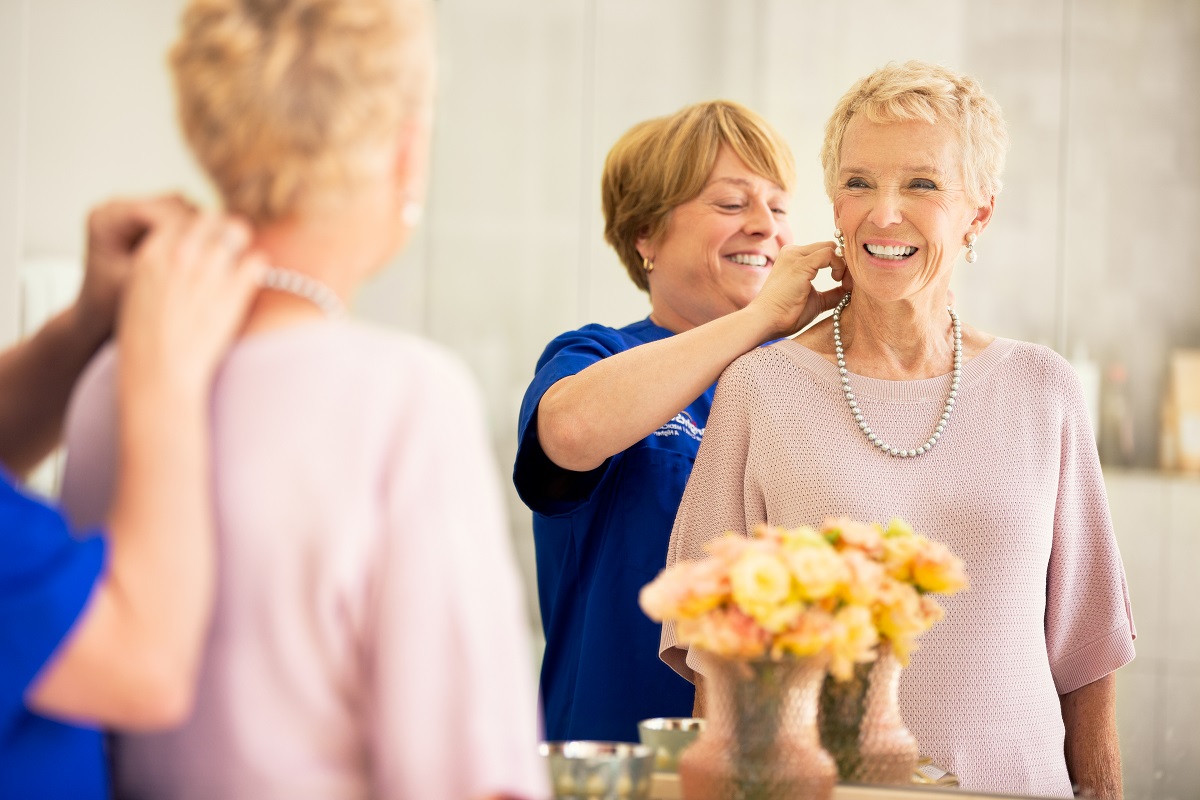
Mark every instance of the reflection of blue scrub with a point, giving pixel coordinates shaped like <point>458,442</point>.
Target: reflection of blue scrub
<point>600,536</point>
<point>45,580</point>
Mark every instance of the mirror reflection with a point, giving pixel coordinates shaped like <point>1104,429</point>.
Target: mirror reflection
<point>1100,183</point>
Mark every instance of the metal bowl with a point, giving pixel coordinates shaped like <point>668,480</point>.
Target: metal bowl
<point>582,770</point>
<point>668,736</point>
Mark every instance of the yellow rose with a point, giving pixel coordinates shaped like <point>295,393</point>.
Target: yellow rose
<point>804,536</point>
<point>853,641</point>
<point>900,617</point>
<point>898,555</point>
<point>818,570</point>
<point>936,569</point>
<point>776,619</point>
<point>759,580</point>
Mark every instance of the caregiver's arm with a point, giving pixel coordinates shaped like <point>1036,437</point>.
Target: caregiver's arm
<point>132,658</point>
<point>1092,750</point>
<point>36,376</point>
<point>604,409</point>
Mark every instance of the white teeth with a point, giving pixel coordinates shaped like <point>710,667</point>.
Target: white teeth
<point>896,252</point>
<point>749,261</point>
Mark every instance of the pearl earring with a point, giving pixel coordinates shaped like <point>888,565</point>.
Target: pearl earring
<point>647,264</point>
<point>840,250</point>
<point>411,213</point>
<point>971,254</point>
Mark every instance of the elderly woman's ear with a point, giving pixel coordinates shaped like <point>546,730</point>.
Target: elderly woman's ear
<point>410,161</point>
<point>983,215</point>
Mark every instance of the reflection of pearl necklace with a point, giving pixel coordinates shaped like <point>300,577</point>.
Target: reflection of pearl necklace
<point>854,409</point>
<point>302,286</point>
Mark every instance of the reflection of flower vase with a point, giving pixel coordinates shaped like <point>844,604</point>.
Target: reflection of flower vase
<point>760,741</point>
<point>861,726</point>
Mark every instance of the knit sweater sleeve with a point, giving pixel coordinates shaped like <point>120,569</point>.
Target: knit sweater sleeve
<point>721,494</point>
<point>1089,623</point>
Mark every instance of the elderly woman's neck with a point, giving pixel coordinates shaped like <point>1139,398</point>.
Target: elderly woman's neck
<point>338,250</point>
<point>898,340</point>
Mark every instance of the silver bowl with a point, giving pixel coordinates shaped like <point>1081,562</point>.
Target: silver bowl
<point>668,736</point>
<point>582,770</point>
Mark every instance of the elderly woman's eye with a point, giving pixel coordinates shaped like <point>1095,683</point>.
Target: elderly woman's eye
<point>780,211</point>
<point>856,183</point>
<point>922,183</point>
<point>731,206</point>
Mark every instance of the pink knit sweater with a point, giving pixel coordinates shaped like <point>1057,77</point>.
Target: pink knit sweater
<point>1014,488</point>
<point>369,637</point>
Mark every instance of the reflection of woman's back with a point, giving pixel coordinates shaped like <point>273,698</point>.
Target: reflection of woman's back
<point>369,625</point>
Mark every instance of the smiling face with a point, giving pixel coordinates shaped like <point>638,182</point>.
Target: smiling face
<point>718,247</point>
<point>903,209</point>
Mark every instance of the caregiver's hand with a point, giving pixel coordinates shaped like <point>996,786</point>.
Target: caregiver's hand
<point>133,658</point>
<point>788,301</point>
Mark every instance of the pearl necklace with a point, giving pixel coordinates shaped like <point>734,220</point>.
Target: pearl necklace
<point>853,403</point>
<point>304,287</point>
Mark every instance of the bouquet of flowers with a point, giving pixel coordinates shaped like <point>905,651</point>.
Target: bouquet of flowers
<point>839,590</point>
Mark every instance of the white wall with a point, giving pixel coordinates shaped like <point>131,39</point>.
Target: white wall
<point>1092,241</point>
<point>13,18</point>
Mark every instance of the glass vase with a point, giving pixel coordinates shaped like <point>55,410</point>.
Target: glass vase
<point>861,726</point>
<point>760,741</point>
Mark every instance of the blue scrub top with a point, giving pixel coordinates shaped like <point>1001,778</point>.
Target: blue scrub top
<point>46,577</point>
<point>600,536</point>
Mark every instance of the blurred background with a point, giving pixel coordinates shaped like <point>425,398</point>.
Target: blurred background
<point>1093,249</point>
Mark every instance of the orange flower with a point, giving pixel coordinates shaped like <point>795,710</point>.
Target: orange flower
<point>799,592</point>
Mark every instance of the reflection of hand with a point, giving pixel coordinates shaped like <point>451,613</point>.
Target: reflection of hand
<point>114,231</point>
<point>191,283</point>
<point>788,296</point>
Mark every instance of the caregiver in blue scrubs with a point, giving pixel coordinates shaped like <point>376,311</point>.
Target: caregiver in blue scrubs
<point>109,630</point>
<point>695,206</point>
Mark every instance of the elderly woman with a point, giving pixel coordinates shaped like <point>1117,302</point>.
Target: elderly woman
<point>981,442</point>
<point>368,638</point>
<point>695,205</point>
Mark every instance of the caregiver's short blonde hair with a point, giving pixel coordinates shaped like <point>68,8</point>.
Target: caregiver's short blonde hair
<point>283,101</point>
<point>917,90</point>
<point>663,162</point>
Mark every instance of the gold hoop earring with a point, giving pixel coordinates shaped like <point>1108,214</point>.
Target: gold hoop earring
<point>647,264</point>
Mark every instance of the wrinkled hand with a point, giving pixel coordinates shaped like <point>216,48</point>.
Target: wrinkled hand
<point>190,285</point>
<point>114,231</point>
<point>789,297</point>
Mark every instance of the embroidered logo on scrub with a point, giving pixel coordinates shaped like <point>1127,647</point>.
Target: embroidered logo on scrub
<point>681,425</point>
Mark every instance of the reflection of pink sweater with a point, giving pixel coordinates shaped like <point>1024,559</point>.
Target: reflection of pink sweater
<point>1014,488</point>
<point>369,637</point>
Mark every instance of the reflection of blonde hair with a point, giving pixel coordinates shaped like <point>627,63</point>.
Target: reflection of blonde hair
<point>917,90</point>
<point>283,101</point>
<point>663,162</point>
